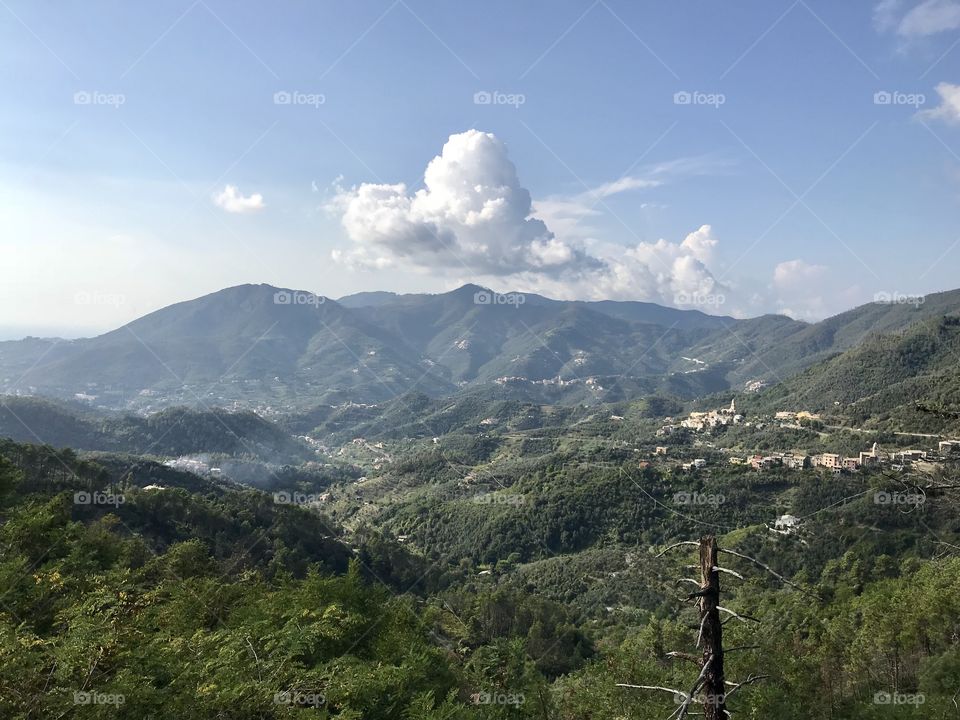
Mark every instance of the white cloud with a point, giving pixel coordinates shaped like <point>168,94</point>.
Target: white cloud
<point>923,19</point>
<point>949,108</point>
<point>663,272</point>
<point>233,201</point>
<point>473,221</point>
<point>472,214</point>
<point>931,17</point>
<point>569,215</point>
<point>885,15</point>
<point>801,289</point>
<point>796,274</point>
<point>474,218</point>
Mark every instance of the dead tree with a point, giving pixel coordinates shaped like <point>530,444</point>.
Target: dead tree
<point>710,687</point>
<point>711,630</point>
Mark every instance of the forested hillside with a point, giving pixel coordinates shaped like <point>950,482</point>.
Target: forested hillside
<point>272,349</point>
<point>207,599</point>
<point>908,380</point>
<point>170,432</point>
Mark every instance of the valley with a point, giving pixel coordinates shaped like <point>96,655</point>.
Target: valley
<point>511,530</point>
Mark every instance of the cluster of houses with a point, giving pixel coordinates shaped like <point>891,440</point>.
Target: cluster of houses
<point>836,463</point>
<point>765,462</point>
<point>789,419</point>
<point>700,421</point>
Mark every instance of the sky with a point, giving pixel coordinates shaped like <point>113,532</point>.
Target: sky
<point>800,157</point>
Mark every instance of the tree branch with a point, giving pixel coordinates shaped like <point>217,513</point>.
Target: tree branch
<point>749,680</point>
<point>739,617</point>
<point>676,545</point>
<point>717,568</point>
<point>770,570</point>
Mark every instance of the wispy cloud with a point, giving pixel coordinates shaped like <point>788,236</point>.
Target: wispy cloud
<point>233,201</point>
<point>949,108</point>
<point>928,17</point>
<point>568,215</point>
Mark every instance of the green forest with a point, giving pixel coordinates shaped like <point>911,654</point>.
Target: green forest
<point>207,600</point>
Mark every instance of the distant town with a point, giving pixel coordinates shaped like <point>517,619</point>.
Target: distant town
<point>703,422</point>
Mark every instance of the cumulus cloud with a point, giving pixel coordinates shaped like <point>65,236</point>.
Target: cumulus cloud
<point>233,201</point>
<point>801,289</point>
<point>471,214</point>
<point>474,218</point>
<point>664,272</point>
<point>949,108</point>
<point>923,19</point>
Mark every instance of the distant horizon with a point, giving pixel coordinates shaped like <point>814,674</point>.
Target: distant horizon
<point>605,150</point>
<point>14,333</point>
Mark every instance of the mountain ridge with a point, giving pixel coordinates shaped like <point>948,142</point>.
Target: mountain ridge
<point>258,346</point>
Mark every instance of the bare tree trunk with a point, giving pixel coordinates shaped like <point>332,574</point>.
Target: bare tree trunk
<point>714,705</point>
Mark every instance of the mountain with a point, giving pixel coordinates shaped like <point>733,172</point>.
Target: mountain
<point>774,348</point>
<point>367,299</point>
<point>171,432</point>
<point>251,344</point>
<point>892,381</point>
<point>276,349</point>
<point>641,312</point>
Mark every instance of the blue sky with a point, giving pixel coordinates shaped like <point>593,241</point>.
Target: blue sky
<point>147,155</point>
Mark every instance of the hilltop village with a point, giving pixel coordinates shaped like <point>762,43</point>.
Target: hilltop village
<point>706,423</point>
